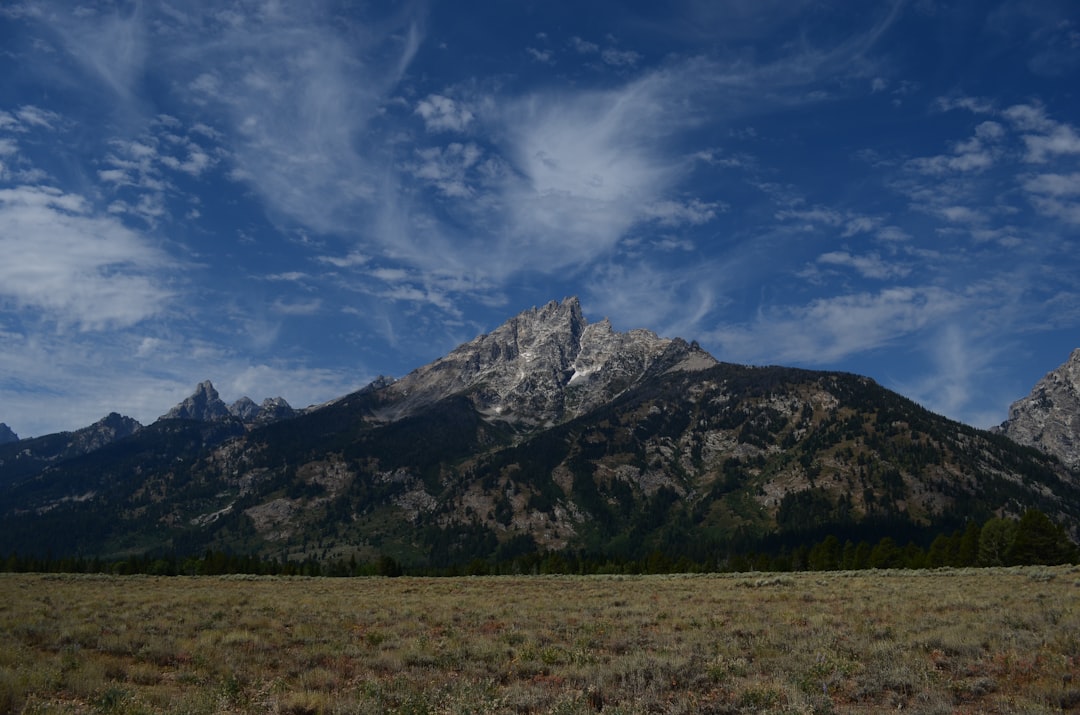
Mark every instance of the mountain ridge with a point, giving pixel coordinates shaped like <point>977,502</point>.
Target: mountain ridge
<point>206,405</point>
<point>546,434</point>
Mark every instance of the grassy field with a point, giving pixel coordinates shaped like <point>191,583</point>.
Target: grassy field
<point>986,641</point>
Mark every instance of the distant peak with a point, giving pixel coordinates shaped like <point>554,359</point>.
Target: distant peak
<point>204,404</point>
<point>207,388</point>
<point>115,420</point>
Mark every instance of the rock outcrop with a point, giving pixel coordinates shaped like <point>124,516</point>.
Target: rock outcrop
<point>1049,417</point>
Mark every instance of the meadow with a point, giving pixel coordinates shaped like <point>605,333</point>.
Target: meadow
<point>1004,640</point>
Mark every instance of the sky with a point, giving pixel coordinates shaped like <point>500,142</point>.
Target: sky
<point>294,198</point>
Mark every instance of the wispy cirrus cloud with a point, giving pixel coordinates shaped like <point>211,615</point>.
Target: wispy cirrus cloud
<point>832,329</point>
<point>871,265</point>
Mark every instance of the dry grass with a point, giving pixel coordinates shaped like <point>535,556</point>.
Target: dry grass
<point>987,641</point>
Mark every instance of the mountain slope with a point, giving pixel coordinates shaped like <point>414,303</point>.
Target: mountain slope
<point>23,459</point>
<point>546,434</point>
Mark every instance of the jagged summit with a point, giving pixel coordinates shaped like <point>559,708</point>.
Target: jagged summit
<point>107,430</point>
<point>272,409</point>
<point>7,435</point>
<point>1049,417</point>
<point>206,405</point>
<point>544,365</point>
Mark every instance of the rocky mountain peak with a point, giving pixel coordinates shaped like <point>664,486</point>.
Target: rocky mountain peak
<point>107,430</point>
<point>204,404</point>
<point>7,435</point>
<point>273,409</point>
<point>245,408</point>
<point>1049,417</point>
<point>542,366</point>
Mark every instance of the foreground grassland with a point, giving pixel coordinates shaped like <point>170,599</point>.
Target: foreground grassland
<point>987,641</point>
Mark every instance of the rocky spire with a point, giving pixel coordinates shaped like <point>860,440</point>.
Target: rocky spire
<point>204,405</point>
<point>1049,417</point>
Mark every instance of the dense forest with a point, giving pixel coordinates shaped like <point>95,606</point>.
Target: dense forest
<point>1031,539</point>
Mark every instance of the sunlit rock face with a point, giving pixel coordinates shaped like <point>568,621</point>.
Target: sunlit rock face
<point>543,366</point>
<point>1049,418</point>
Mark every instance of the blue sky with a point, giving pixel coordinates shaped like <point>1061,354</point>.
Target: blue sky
<point>293,198</point>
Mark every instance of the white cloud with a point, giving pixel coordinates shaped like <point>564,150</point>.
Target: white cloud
<point>293,92</point>
<point>543,56</point>
<point>975,105</point>
<point>443,114</point>
<point>827,330</point>
<point>351,260</point>
<point>76,267</point>
<point>962,214</point>
<point>1061,140</point>
<point>583,46</point>
<point>959,376</point>
<point>869,266</point>
<point>307,307</point>
<point>195,164</point>
<point>674,213</point>
<point>1046,138</point>
<point>110,46</point>
<point>1055,195</point>
<point>31,116</point>
<point>620,58</point>
<point>447,168</point>
<point>973,155</point>
<point>1053,184</point>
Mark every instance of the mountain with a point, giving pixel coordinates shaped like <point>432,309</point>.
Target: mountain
<point>1049,417</point>
<point>7,435</point>
<point>546,434</point>
<point>205,405</point>
<point>28,457</point>
<point>542,367</point>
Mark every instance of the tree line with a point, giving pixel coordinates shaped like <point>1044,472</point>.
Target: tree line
<point>1032,539</point>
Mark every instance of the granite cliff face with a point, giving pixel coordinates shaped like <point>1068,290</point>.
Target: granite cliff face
<point>543,366</point>
<point>1049,417</point>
